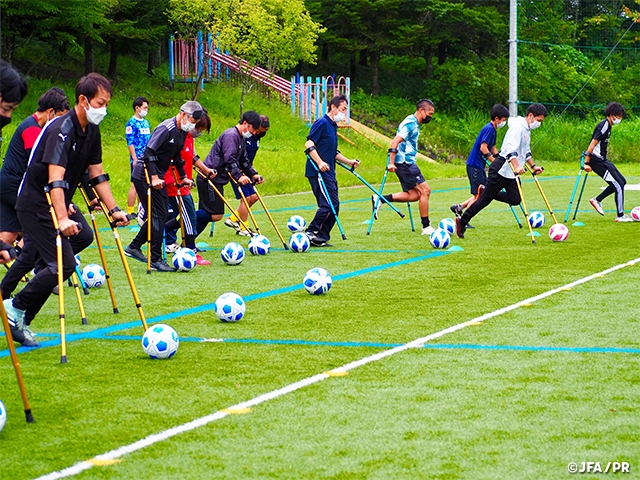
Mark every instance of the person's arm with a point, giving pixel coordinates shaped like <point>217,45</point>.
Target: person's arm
<point>57,190</point>
<point>7,252</point>
<point>351,163</point>
<point>159,136</point>
<point>230,148</point>
<point>96,173</point>
<point>587,156</point>
<point>130,131</point>
<point>132,152</point>
<point>312,151</point>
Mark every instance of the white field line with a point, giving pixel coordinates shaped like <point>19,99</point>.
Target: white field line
<point>419,342</point>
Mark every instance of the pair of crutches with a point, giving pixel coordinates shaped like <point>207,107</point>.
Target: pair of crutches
<point>575,189</point>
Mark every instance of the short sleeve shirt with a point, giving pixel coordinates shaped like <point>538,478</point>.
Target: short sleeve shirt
<point>602,133</point>
<point>137,132</point>
<point>324,135</point>
<point>17,158</point>
<point>487,135</point>
<point>165,144</point>
<point>409,129</point>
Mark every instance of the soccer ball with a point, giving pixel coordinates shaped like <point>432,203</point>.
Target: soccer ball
<point>558,232</point>
<point>160,341</point>
<point>448,224</point>
<point>93,275</point>
<point>232,253</point>
<point>259,245</point>
<point>317,281</point>
<point>184,260</point>
<point>296,224</point>
<point>299,242</point>
<point>440,238</point>
<point>536,219</point>
<point>635,214</point>
<point>229,307</point>
<point>3,415</point>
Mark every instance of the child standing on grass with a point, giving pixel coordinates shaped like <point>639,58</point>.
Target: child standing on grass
<point>596,160</point>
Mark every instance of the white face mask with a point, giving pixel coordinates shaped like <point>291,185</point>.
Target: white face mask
<point>247,134</point>
<point>143,113</point>
<point>502,124</point>
<point>616,121</point>
<point>535,124</point>
<point>188,126</point>
<point>339,117</point>
<point>96,115</point>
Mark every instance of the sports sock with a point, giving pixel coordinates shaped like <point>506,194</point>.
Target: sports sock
<point>129,209</point>
<point>425,222</point>
<point>233,218</point>
<point>389,198</point>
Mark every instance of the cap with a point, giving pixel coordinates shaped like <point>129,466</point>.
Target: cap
<point>192,108</point>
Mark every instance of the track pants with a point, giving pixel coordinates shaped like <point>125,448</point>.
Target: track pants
<point>189,218</point>
<point>614,178</point>
<point>324,219</point>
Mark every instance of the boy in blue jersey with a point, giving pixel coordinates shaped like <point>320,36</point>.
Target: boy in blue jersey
<point>484,151</point>
<point>137,132</point>
<point>402,161</point>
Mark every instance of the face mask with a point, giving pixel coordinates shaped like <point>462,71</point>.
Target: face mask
<point>426,120</point>
<point>96,115</point>
<point>188,126</point>
<point>143,113</point>
<point>339,117</point>
<point>535,124</point>
<point>196,133</point>
<point>4,121</point>
<point>261,134</point>
<point>616,121</point>
<point>502,124</point>
<point>247,134</point>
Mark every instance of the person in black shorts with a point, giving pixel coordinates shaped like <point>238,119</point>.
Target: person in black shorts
<point>596,159</point>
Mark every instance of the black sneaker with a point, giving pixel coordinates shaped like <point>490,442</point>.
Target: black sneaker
<point>456,209</point>
<point>23,338</point>
<point>318,242</point>
<point>470,226</point>
<point>136,253</point>
<point>161,266</point>
<point>460,227</point>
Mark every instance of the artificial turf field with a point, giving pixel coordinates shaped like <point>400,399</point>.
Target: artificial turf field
<point>518,395</point>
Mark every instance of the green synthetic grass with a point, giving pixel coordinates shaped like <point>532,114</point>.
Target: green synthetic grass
<point>425,413</point>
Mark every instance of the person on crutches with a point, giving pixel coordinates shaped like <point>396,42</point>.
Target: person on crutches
<point>402,161</point>
<point>322,149</point>
<point>66,148</point>
<point>516,150</point>
<point>596,160</point>
<point>164,147</point>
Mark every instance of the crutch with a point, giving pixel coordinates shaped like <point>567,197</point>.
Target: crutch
<point>123,257</point>
<point>63,336</point>
<point>522,203</point>
<point>16,364</point>
<point>180,203</point>
<point>81,281</point>
<point>266,210</point>
<point>575,188</point>
<point>225,201</point>
<point>148,179</point>
<point>76,288</point>
<point>413,228</point>
<point>246,204</point>
<point>544,197</point>
<point>377,202</point>
<point>103,260</point>
<point>367,184</point>
<point>326,194</point>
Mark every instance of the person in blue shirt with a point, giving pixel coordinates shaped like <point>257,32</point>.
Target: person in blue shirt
<point>402,161</point>
<point>137,133</point>
<point>484,151</point>
<point>322,149</point>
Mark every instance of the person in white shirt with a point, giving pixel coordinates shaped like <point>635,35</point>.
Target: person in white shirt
<point>516,150</point>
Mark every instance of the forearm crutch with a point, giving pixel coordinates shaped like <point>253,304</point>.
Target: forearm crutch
<point>544,197</point>
<point>523,205</point>
<point>148,179</point>
<point>379,198</point>
<point>377,202</point>
<point>16,364</point>
<point>63,336</point>
<point>123,257</point>
<point>103,259</point>
<point>326,194</point>
<point>180,203</point>
<point>513,210</point>
<point>246,203</point>
<point>575,188</point>
<point>225,201</point>
<point>275,227</point>
<point>76,288</point>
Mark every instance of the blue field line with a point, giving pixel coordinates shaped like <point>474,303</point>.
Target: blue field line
<point>99,332</point>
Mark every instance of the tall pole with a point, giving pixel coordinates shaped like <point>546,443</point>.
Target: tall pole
<point>513,59</point>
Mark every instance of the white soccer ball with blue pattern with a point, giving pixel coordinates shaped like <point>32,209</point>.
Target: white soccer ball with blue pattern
<point>229,307</point>
<point>232,253</point>
<point>184,260</point>
<point>440,238</point>
<point>160,341</point>
<point>317,281</point>
<point>93,276</point>
<point>299,242</point>
<point>296,224</point>
<point>259,245</point>
<point>536,219</point>
<point>3,415</point>
<point>448,224</point>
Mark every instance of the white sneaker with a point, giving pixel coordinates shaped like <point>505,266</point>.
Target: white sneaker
<point>231,224</point>
<point>171,248</point>
<point>244,233</point>
<point>624,219</point>
<point>428,230</point>
<point>597,205</point>
<point>14,315</point>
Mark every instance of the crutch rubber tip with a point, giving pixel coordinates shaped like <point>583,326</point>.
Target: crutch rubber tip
<point>86,291</point>
<point>115,310</point>
<point>402,215</point>
<point>29,415</point>
<point>63,359</point>
<point>344,237</point>
<point>84,321</point>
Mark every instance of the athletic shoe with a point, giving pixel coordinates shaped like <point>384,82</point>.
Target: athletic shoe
<point>456,209</point>
<point>375,208</point>
<point>231,224</point>
<point>23,337</point>
<point>201,261</point>
<point>136,253</point>
<point>162,266</point>
<point>470,226</point>
<point>19,331</point>
<point>597,205</point>
<point>172,248</point>
<point>624,219</point>
<point>428,230</point>
<point>318,242</point>
<point>244,233</point>
<point>460,227</point>
<point>480,190</point>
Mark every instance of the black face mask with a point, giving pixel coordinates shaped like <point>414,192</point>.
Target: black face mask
<point>4,121</point>
<point>426,120</point>
<point>261,134</point>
